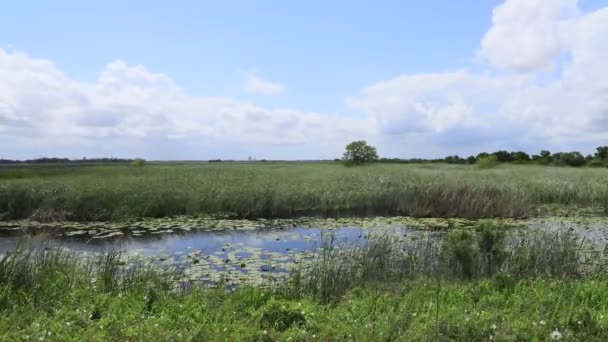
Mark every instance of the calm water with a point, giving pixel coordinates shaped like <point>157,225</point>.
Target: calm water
<point>249,255</point>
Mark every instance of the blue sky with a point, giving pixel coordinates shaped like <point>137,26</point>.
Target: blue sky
<point>417,78</point>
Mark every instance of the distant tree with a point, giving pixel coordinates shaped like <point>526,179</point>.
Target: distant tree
<point>520,156</point>
<point>545,154</point>
<point>359,152</point>
<point>471,160</point>
<point>503,156</point>
<point>482,155</point>
<point>602,153</point>
<point>568,158</point>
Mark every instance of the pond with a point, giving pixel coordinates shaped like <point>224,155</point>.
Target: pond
<point>254,252</point>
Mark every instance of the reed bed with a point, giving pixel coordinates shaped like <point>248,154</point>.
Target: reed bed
<point>269,190</point>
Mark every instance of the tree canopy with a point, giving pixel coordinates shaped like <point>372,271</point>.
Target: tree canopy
<point>359,152</point>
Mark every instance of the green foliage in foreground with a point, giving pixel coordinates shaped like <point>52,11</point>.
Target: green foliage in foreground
<point>293,190</point>
<point>417,311</point>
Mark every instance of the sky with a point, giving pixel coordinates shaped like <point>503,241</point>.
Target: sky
<point>300,79</point>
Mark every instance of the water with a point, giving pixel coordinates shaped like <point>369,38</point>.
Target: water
<point>242,254</point>
<point>236,256</point>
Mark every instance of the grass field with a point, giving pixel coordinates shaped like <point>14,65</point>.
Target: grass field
<point>85,193</point>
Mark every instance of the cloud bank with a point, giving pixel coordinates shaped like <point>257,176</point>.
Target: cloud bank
<point>544,82</point>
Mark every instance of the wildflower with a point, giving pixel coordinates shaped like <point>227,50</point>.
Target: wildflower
<point>556,335</point>
<point>265,332</point>
<point>156,325</point>
<point>494,327</point>
<point>542,322</point>
<point>68,323</point>
<point>414,314</point>
<point>579,322</point>
<point>303,312</point>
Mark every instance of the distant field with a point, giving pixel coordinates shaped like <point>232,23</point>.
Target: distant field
<point>114,192</point>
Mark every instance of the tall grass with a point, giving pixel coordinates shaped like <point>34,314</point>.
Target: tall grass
<point>461,255</point>
<point>291,190</point>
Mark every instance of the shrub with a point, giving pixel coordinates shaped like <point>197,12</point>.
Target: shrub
<point>281,316</point>
<point>138,163</point>
<point>597,163</point>
<point>490,241</point>
<point>487,162</point>
<point>459,253</point>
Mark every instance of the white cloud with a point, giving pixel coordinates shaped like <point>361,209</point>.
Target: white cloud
<point>37,100</point>
<point>509,108</point>
<point>258,86</point>
<point>527,35</point>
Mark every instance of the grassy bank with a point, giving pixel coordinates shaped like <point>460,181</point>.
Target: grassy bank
<point>292,190</point>
<point>474,286</point>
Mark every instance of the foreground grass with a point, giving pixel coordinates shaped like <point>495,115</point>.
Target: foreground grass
<point>292,190</point>
<point>480,310</point>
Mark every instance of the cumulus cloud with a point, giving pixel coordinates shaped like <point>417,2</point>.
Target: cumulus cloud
<point>511,107</point>
<point>526,35</point>
<point>258,86</point>
<point>126,102</point>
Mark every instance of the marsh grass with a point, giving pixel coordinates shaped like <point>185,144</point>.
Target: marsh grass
<point>95,193</point>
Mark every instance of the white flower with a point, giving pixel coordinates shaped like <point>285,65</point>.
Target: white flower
<point>556,335</point>
<point>265,332</point>
<point>494,327</point>
<point>542,322</point>
<point>579,322</point>
<point>414,314</point>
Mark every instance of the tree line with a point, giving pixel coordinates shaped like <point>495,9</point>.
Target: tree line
<point>544,157</point>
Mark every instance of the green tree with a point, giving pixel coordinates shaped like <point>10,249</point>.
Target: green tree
<point>359,152</point>
<point>602,153</point>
